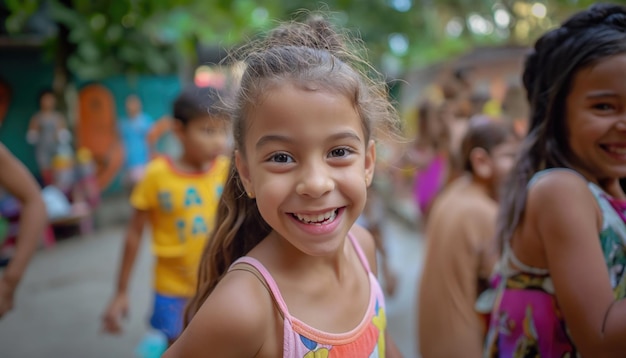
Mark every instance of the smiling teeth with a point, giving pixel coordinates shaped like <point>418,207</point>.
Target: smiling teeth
<point>317,219</point>
<point>617,150</point>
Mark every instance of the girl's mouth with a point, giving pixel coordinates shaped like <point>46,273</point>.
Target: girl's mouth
<point>317,219</point>
<point>614,149</point>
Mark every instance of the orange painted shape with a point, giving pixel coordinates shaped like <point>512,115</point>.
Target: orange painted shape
<point>97,131</point>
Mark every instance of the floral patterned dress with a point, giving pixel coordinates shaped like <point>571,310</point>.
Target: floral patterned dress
<point>526,319</point>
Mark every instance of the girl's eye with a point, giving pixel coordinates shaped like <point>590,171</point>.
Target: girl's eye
<point>340,152</point>
<point>281,158</point>
<point>603,107</point>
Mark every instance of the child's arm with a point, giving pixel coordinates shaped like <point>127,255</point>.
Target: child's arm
<point>118,307</point>
<point>236,320</point>
<point>565,215</point>
<point>16,179</point>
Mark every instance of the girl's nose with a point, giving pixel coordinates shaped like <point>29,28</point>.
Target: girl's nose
<point>315,182</point>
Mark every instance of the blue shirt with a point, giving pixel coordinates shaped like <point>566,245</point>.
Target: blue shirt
<point>134,135</point>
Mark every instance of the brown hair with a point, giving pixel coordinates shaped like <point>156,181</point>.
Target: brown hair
<point>312,56</point>
<point>486,133</point>
<point>432,130</point>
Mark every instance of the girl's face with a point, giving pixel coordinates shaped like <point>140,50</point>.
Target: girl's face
<point>596,119</point>
<point>308,164</point>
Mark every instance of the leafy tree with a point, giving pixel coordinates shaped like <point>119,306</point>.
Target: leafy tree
<point>98,38</point>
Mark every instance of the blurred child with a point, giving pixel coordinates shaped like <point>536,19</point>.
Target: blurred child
<point>515,108</point>
<point>134,129</point>
<point>562,224</point>
<point>430,156</point>
<point>460,250</point>
<point>178,198</point>
<point>47,128</point>
<point>18,182</point>
<point>287,273</point>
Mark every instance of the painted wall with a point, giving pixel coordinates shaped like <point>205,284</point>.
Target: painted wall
<point>157,93</point>
<point>27,73</point>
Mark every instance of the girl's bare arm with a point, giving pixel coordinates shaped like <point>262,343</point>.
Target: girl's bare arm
<point>232,322</point>
<point>567,219</point>
<point>15,178</point>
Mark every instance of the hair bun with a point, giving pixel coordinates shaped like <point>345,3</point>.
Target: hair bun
<point>316,32</point>
<point>598,14</point>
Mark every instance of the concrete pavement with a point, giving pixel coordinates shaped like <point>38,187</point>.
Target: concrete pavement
<point>60,301</point>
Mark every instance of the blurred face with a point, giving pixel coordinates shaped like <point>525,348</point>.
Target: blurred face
<point>502,161</point>
<point>48,102</point>
<point>308,164</point>
<point>133,106</point>
<point>596,119</point>
<point>203,139</point>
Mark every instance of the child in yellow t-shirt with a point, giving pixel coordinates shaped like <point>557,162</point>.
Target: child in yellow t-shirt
<point>178,198</point>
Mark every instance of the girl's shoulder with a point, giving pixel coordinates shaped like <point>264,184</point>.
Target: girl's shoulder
<point>243,286</point>
<point>561,192</point>
<point>554,177</point>
<point>232,321</point>
<point>236,311</point>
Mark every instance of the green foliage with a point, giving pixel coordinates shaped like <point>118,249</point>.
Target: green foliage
<point>138,37</point>
<point>155,36</point>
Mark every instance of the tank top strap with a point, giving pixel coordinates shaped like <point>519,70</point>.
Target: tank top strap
<point>269,280</point>
<point>519,265</point>
<point>359,252</point>
<point>541,173</point>
<point>271,284</point>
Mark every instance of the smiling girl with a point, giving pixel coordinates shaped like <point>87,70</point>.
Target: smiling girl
<point>562,216</point>
<point>287,273</point>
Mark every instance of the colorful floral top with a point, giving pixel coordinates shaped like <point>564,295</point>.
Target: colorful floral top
<point>367,340</point>
<point>526,319</point>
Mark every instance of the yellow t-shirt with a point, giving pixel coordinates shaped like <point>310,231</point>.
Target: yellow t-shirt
<point>181,208</point>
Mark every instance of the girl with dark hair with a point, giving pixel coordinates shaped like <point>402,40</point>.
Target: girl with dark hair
<point>562,218</point>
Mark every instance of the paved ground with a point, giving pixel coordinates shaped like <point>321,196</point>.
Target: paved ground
<point>66,288</point>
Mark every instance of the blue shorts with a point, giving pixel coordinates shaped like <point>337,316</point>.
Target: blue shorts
<point>167,315</point>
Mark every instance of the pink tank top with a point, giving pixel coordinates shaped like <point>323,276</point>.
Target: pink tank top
<point>303,341</point>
